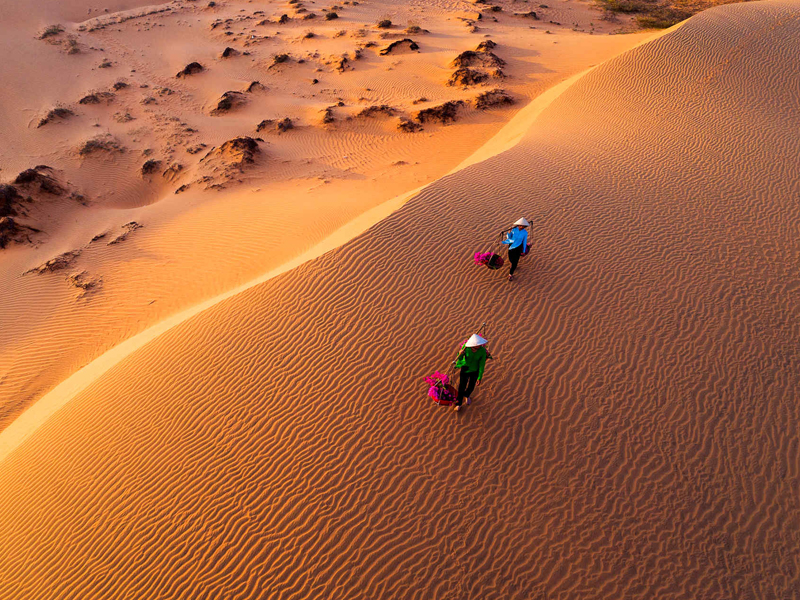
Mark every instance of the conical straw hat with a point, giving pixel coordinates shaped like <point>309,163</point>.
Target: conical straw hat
<point>523,221</point>
<point>475,340</point>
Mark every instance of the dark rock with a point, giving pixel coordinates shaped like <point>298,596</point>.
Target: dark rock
<point>405,43</point>
<point>227,102</point>
<point>466,76</point>
<point>443,113</point>
<point>228,52</point>
<point>150,167</point>
<point>191,69</point>
<point>492,98</point>
<point>9,196</point>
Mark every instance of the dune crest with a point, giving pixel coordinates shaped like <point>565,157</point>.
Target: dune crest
<point>44,408</point>
<point>138,105</point>
<point>636,435</point>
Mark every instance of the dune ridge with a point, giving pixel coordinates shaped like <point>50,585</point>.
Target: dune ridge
<point>636,436</point>
<point>136,143</point>
<point>34,416</point>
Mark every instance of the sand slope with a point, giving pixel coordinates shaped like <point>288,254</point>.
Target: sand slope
<point>228,224</point>
<point>636,436</point>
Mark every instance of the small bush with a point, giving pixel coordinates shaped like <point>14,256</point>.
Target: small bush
<point>51,31</point>
<point>661,19</point>
<point>657,14</point>
<point>331,16</point>
<point>384,24</point>
<point>72,45</point>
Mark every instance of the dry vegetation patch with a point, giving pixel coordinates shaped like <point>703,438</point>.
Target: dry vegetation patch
<point>660,14</point>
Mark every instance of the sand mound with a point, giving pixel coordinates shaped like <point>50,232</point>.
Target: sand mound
<point>636,435</point>
<point>228,102</point>
<point>9,197</point>
<point>193,68</point>
<point>442,113</point>
<point>12,231</point>
<point>481,57</point>
<point>466,77</point>
<point>406,44</point>
<point>493,98</point>
<point>100,145</point>
<point>57,263</point>
<point>40,178</point>
<point>55,115</point>
<point>226,163</point>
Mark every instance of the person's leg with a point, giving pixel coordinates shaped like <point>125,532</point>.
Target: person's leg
<point>463,383</point>
<point>472,380</point>
<point>513,257</point>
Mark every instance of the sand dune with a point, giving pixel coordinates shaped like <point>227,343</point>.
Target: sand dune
<point>139,144</point>
<point>636,436</point>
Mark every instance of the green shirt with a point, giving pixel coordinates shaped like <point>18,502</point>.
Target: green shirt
<point>473,361</point>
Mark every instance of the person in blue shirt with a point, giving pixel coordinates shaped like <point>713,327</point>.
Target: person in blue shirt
<point>517,240</point>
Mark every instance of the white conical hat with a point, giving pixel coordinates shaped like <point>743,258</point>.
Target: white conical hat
<point>475,340</point>
<point>523,221</point>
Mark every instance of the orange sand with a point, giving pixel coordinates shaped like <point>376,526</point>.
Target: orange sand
<point>306,184</point>
<point>635,437</point>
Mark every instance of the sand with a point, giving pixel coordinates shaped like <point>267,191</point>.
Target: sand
<point>636,434</point>
<point>230,223</point>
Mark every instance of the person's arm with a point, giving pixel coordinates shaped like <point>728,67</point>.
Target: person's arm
<point>509,238</point>
<point>482,365</point>
<point>525,242</point>
<point>460,354</point>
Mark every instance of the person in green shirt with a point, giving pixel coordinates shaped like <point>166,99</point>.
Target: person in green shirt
<point>471,360</point>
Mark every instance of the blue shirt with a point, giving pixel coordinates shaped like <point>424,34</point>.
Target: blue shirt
<point>517,237</point>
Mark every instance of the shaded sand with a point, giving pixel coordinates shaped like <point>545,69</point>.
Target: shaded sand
<point>635,437</point>
<point>232,221</point>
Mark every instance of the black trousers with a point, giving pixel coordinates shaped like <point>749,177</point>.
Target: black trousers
<point>513,258</point>
<point>466,384</point>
